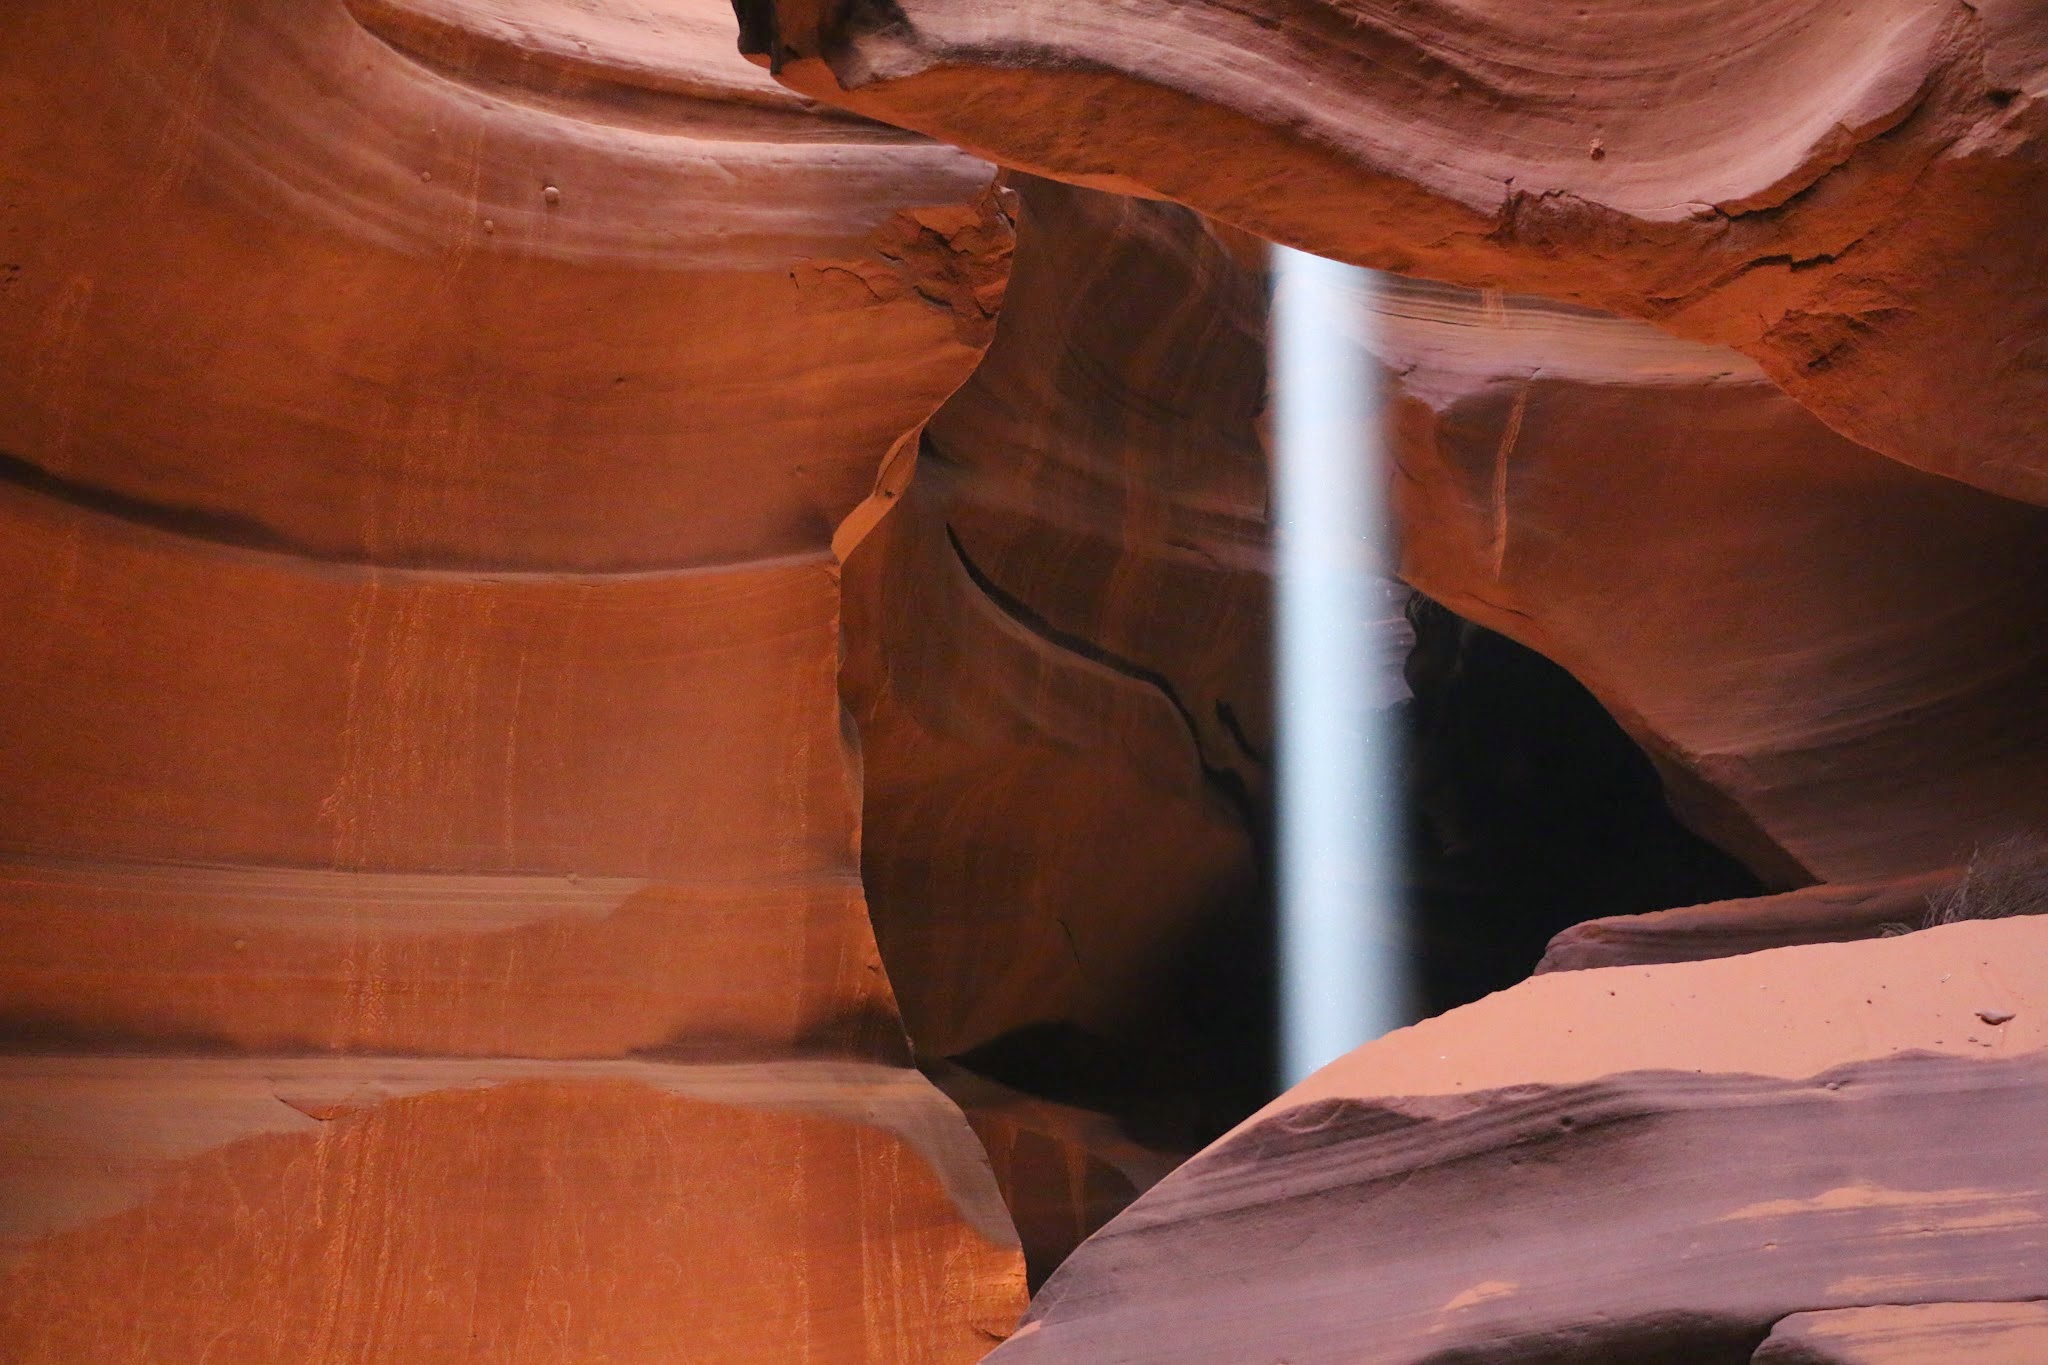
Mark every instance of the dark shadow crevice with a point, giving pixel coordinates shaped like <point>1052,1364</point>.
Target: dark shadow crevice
<point>1529,810</point>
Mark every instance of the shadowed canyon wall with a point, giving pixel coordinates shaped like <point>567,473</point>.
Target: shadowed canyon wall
<point>1060,629</point>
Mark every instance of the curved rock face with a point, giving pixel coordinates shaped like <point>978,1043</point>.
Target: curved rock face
<point>1568,477</point>
<point>454,294</point>
<point>1527,809</point>
<point>1844,193</point>
<point>1834,659</point>
<point>424,428</point>
<point>1061,630</point>
<point>1666,1162</point>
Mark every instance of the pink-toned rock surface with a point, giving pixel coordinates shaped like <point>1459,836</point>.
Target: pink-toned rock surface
<point>1912,1334</point>
<point>1844,193</point>
<point>1832,913</point>
<point>456,454</point>
<point>1650,1163</point>
<point>398,1209</point>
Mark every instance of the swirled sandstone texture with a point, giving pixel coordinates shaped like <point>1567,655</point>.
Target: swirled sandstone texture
<point>423,426</point>
<point>1845,193</point>
<point>1834,657</point>
<point>1057,657</point>
<point>1655,1163</point>
<point>1835,660</point>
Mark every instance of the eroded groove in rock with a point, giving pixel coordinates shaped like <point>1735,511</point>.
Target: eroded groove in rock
<point>1226,782</point>
<point>1044,633</point>
<point>1838,912</point>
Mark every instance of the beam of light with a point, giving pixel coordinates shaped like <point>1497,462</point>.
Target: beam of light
<point>1344,959</point>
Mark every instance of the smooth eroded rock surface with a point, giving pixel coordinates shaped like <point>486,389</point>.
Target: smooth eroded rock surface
<point>1057,657</point>
<point>423,429</point>
<point>1816,914</point>
<point>332,280</point>
<point>395,1209</point>
<point>1638,1163</point>
<point>1834,659</point>
<point>1911,1334</point>
<point>1844,193</point>
<point>570,616</point>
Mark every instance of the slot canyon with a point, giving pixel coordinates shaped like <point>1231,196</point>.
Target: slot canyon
<point>637,720</point>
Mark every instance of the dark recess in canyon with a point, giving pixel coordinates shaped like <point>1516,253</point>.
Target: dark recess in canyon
<point>1528,810</point>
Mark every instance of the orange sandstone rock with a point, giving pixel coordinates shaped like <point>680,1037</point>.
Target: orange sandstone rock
<point>1834,660</point>
<point>423,429</point>
<point>400,1210</point>
<point>1057,656</point>
<point>1844,193</point>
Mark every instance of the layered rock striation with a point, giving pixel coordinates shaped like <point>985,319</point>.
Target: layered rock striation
<point>1664,1163</point>
<point>431,830</point>
<point>1832,658</point>
<point>598,762</point>
<point>1842,193</point>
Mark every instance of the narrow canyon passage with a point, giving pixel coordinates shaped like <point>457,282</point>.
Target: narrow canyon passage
<point>637,718</point>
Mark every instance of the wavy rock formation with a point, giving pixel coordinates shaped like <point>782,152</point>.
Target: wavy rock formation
<point>1834,659</point>
<point>1881,616</point>
<point>1665,1162</point>
<point>1854,704</point>
<point>1844,193</point>
<point>1061,630</point>
<point>425,424</point>
<point>599,762</point>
